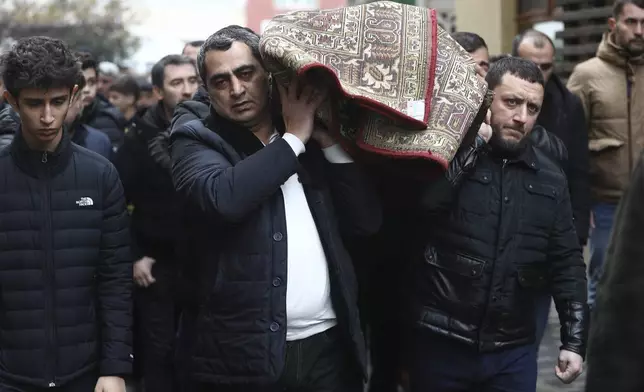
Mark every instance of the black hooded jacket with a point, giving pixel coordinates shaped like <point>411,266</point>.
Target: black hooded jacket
<point>107,119</point>
<point>144,165</point>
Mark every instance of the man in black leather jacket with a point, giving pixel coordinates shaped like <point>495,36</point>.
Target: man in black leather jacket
<point>500,228</point>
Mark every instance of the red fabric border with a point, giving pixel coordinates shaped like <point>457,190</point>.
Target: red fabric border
<point>431,72</point>
<point>393,114</point>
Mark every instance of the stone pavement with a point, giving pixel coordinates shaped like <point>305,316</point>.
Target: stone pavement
<point>548,353</point>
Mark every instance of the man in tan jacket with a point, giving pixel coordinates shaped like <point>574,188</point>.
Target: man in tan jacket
<point>611,88</point>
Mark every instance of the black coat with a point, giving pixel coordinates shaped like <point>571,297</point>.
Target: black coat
<point>494,241</point>
<point>107,119</point>
<point>143,163</point>
<point>615,347</point>
<point>234,182</point>
<point>563,115</point>
<point>65,266</point>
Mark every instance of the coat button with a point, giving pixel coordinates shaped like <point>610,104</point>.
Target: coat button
<point>275,327</point>
<point>278,236</point>
<point>474,272</point>
<point>530,186</point>
<point>506,199</point>
<point>277,282</point>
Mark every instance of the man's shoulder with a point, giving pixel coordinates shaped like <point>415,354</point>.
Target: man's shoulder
<point>96,134</point>
<point>589,69</point>
<point>197,129</point>
<point>89,162</point>
<point>107,116</point>
<point>550,169</point>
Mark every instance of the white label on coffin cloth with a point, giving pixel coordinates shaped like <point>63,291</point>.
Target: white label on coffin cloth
<point>416,109</point>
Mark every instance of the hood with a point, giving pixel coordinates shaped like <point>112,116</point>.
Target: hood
<point>549,143</point>
<point>197,108</point>
<point>100,108</point>
<point>201,96</point>
<point>155,117</point>
<point>9,121</point>
<point>612,53</point>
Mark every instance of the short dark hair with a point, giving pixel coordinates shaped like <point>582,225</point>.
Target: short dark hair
<point>222,40</point>
<point>87,61</point>
<point>540,40</point>
<point>158,70</point>
<point>39,62</point>
<point>515,66</point>
<point>127,85</point>
<point>194,44</point>
<point>497,57</point>
<point>618,6</point>
<point>144,84</point>
<point>471,42</point>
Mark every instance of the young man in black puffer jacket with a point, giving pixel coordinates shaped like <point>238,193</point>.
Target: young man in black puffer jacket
<point>65,265</point>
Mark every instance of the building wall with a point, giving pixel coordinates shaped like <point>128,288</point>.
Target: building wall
<point>494,20</point>
<point>258,12</point>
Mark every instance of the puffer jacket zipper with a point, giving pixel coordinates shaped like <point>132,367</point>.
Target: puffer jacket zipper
<point>49,276</point>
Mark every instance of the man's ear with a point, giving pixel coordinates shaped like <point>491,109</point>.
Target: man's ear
<point>158,93</point>
<point>74,95</point>
<point>612,23</point>
<point>10,98</point>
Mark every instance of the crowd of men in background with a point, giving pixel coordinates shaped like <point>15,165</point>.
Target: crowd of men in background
<point>202,194</point>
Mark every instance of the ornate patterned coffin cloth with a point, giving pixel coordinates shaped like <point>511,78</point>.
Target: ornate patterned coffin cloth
<point>408,89</point>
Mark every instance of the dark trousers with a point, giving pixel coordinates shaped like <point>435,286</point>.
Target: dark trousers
<point>441,364</point>
<point>85,383</point>
<point>320,363</point>
<point>157,314</point>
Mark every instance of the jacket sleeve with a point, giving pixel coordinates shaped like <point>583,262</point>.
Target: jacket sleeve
<point>615,360</point>
<point>577,84</point>
<point>578,168</point>
<point>439,194</point>
<point>114,280</point>
<point>208,180</point>
<point>568,278</point>
<point>354,197</point>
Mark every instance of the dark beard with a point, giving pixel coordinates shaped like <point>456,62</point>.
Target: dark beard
<point>635,47</point>
<point>506,148</point>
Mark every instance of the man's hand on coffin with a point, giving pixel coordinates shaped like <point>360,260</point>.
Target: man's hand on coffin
<point>485,130</point>
<point>300,101</point>
<point>325,128</point>
<point>480,71</point>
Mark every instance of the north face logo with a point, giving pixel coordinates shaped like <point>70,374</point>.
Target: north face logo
<point>85,201</point>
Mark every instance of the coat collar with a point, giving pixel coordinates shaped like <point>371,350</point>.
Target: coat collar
<point>41,164</point>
